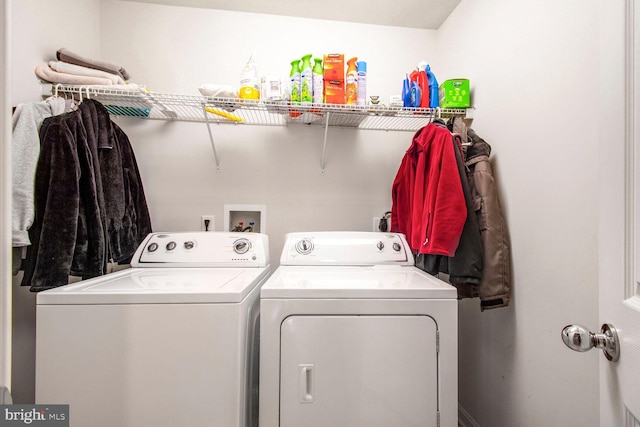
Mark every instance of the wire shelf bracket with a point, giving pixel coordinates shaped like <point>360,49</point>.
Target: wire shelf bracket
<point>324,145</point>
<point>213,144</point>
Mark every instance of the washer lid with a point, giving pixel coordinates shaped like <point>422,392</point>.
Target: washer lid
<point>164,286</point>
<point>381,282</point>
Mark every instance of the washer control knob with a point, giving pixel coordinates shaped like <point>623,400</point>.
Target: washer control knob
<point>397,247</point>
<point>171,246</point>
<point>380,245</point>
<point>152,247</point>
<point>304,246</point>
<point>189,244</point>
<point>241,246</point>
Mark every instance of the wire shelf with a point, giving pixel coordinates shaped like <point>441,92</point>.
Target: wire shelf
<point>136,101</point>
<point>191,108</point>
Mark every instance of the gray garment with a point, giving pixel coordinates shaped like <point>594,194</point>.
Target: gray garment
<point>25,149</point>
<point>495,287</point>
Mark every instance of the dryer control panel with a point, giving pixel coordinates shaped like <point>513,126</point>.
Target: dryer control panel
<point>203,249</point>
<point>346,248</point>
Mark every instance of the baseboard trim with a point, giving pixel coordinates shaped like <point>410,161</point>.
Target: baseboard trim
<point>464,419</point>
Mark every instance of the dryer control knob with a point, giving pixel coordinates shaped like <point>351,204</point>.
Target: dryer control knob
<point>241,246</point>
<point>171,246</point>
<point>189,244</point>
<point>380,245</point>
<point>304,246</point>
<point>152,247</point>
<point>397,247</point>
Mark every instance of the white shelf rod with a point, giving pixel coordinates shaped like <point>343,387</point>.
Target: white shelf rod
<point>324,145</point>
<point>213,144</point>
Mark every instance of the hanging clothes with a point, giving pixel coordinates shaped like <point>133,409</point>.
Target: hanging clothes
<point>495,287</point>
<point>479,265</point>
<point>25,148</point>
<point>465,267</point>
<point>428,201</point>
<point>89,202</point>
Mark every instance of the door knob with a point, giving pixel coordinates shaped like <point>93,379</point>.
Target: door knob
<point>581,339</point>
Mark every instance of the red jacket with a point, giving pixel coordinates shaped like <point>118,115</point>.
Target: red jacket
<point>428,201</point>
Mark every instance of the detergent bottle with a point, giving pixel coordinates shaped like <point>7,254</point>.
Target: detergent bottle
<point>318,81</point>
<point>415,95</point>
<point>295,77</point>
<point>434,97</point>
<point>306,80</point>
<point>423,82</point>
<point>249,81</point>
<point>406,92</point>
<point>351,87</point>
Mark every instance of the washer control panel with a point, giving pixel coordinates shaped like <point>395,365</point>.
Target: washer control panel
<point>202,249</point>
<point>345,248</point>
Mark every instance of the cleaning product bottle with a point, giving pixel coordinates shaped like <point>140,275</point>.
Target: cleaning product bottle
<point>318,81</point>
<point>351,87</point>
<point>249,81</point>
<point>415,95</point>
<point>362,82</point>
<point>294,76</point>
<point>406,92</point>
<point>423,82</point>
<point>434,98</point>
<point>306,80</point>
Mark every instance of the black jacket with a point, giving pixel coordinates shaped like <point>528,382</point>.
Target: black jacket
<point>89,202</point>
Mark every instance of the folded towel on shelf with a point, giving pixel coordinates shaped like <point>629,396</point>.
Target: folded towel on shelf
<point>70,57</point>
<point>78,70</point>
<point>46,73</point>
<point>224,91</point>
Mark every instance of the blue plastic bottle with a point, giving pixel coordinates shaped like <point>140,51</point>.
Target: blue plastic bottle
<point>416,95</point>
<point>434,97</point>
<point>406,92</point>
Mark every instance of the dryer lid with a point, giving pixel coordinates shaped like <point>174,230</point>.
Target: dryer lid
<point>160,286</point>
<point>375,282</point>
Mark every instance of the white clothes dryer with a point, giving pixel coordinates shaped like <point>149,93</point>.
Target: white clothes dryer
<point>170,342</point>
<point>352,334</point>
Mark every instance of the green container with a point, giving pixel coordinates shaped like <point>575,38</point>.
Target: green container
<point>454,93</point>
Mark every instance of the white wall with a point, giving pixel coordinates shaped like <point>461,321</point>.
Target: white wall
<point>534,66</point>
<point>176,49</point>
<point>531,66</point>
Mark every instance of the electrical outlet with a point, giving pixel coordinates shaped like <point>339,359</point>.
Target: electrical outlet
<point>206,223</point>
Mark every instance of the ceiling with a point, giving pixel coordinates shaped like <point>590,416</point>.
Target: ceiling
<point>423,14</point>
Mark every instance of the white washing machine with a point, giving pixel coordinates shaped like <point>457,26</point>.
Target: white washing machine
<point>170,342</point>
<point>352,334</point>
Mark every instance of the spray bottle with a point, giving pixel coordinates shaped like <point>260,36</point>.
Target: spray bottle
<point>318,81</point>
<point>351,87</point>
<point>294,77</point>
<point>306,80</point>
<point>362,82</point>
<point>249,81</point>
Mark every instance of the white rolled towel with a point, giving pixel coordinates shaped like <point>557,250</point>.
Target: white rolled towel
<point>48,74</point>
<point>216,90</point>
<point>78,70</point>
